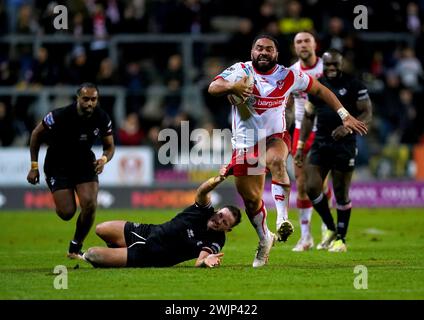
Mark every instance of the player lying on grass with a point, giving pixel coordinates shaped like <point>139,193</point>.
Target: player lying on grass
<point>197,232</point>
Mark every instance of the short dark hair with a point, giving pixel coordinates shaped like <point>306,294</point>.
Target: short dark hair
<point>266,36</point>
<point>87,85</point>
<point>312,33</point>
<point>333,51</point>
<point>236,214</point>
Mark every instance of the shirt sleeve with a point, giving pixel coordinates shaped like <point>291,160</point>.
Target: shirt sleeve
<point>214,246</point>
<point>106,128</point>
<point>302,81</point>
<point>50,120</point>
<point>360,91</point>
<point>195,207</point>
<point>234,73</point>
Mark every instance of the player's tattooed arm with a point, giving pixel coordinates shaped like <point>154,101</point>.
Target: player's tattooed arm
<point>365,107</point>
<point>289,111</point>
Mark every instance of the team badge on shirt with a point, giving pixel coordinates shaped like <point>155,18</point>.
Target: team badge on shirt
<point>49,120</point>
<point>280,84</point>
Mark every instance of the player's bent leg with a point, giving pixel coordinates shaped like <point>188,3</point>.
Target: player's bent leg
<point>65,203</point>
<point>87,195</point>
<point>106,257</point>
<point>112,232</point>
<point>250,189</point>
<point>315,176</point>
<point>276,157</point>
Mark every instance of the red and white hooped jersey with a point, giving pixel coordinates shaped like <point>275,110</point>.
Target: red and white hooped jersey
<point>300,98</point>
<point>265,108</point>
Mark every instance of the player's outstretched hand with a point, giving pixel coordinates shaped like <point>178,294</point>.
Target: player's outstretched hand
<point>298,158</point>
<point>33,176</point>
<point>352,124</point>
<point>213,260</point>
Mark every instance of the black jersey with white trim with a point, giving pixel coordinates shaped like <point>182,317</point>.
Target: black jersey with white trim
<point>184,237</point>
<point>70,136</point>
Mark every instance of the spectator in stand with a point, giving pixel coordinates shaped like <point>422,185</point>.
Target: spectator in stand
<point>135,81</point>
<point>43,71</point>
<point>135,17</point>
<point>413,22</point>
<point>408,117</point>
<point>242,40</point>
<point>335,36</point>
<point>219,107</point>
<point>409,69</point>
<point>173,79</point>
<point>293,22</point>
<point>107,76</point>
<point>388,110</point>
<point>79,25</point>
<point>265,15</point>
<point>79,70</point>
<point>7,130</point>
<point>47,18</point>
<point>130,133</point>
<point>101,27</point>
<point>26,22</point>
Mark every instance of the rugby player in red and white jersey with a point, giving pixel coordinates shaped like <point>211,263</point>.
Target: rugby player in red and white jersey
<point>260,118</point>
<point>309,63</point>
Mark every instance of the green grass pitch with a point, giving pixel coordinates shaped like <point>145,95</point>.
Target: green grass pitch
<point>389,242</point>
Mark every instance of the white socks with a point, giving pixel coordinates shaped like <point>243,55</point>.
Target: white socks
<point>280,194</point>
<point>259,223</point>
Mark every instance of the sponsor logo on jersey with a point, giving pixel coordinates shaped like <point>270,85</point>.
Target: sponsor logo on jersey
<point>342,91</point>
<point>96,132</point>
<point>268,102</point>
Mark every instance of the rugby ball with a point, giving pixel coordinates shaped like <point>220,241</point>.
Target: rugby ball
<point>235,99</point>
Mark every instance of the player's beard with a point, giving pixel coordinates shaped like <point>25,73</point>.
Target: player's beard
<point>264,67</point>
<point>305,56</point>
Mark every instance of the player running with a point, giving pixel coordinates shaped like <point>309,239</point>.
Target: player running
<point>334,148</point>
<point>259,120</point>
<point>70,166</point>
<point>309,63</point>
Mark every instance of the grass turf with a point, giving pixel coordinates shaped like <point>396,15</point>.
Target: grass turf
<point>388,242</point>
